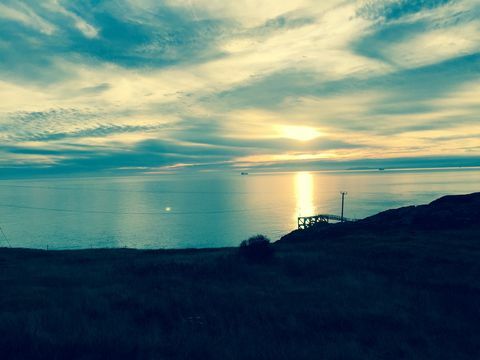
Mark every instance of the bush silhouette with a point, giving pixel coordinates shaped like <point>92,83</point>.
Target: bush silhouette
<point>256,249</point>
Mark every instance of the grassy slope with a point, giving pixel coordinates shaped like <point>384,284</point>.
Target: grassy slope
<point>390,296</point>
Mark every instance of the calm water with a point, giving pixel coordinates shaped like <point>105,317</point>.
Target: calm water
<point>208,210</point>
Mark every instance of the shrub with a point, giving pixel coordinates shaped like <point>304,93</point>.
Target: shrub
<point>256,249</point>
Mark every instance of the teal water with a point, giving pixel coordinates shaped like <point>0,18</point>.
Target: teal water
<point>203,210</point>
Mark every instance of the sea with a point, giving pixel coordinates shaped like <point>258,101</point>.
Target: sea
<point>199,210</point>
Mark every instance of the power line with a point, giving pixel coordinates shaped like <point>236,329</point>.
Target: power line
<point>5,237</point>
<point>129,191</point>
<point>222,211</point>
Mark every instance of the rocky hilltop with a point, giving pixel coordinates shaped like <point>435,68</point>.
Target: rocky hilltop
<point>446,213</point>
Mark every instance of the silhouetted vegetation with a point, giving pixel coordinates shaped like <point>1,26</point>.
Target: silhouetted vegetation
<point>256,249</point>
<point>396,294</point>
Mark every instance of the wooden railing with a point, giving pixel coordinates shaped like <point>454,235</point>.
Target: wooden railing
<point>304,222</point>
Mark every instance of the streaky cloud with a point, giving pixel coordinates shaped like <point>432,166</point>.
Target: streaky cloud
<point>109,85</point>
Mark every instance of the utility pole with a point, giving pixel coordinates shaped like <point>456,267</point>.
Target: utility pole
<point>343,193</point>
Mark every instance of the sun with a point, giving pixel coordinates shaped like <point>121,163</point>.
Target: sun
<point>300,133</point>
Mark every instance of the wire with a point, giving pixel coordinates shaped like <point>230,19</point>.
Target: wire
<point>130,213</point>
<point>5,237</point>
<point>128,191</point>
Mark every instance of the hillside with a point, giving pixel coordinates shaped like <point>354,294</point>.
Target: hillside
<point>447,213</point>
<point>388,287</point>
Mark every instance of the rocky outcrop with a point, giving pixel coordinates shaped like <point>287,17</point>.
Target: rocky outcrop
<point>448,212</point>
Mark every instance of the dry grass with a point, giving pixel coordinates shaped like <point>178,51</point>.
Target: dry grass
<point>411,296</point>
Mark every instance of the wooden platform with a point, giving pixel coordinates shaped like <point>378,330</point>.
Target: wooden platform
<point>304,222</point>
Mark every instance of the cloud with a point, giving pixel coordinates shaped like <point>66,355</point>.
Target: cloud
<point>395,9</point>
<point>248,12</point>
<point>435,46</point>
<point>148,84</point>
<point>23,14</point>
<point>85,28</point>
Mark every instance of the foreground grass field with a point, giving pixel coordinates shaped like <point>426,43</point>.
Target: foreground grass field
<point>411,296</point>
<point>403,284</point>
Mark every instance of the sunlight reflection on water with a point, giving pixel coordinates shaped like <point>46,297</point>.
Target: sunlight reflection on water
<point>203,210</point>
<point>304,193</point>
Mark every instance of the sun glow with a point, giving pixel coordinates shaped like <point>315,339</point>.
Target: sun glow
<point>301,133</point>
<point>304,193</point>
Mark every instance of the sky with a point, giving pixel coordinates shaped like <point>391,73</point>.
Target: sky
<point>144,86</point>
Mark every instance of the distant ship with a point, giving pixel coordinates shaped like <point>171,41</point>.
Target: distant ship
<point>244,173</point>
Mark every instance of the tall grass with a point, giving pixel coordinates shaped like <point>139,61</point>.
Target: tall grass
<point>400,296</point>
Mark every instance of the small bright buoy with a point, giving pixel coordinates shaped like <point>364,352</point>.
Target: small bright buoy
<point>168,208</point>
